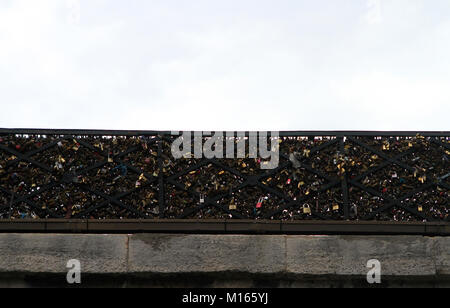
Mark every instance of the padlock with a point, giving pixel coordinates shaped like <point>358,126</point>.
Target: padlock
<point>61,159</point>
<point>259,203</point>
<point>202,198</point>
<point>232,205</point>
<point>306,152</point>
<point>306,210</point>
<point>58,166</point>
<point>142,177</point>
<point>335,207</point>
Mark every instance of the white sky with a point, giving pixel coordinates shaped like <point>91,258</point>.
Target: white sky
<point>225,65</point>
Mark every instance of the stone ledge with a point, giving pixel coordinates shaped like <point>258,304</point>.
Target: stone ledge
<point>206,253</point>
<point>348,255</point>
<point>285,255</point>
<point>49,253</point>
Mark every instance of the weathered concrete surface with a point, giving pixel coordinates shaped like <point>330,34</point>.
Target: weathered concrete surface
<point>206,253</point>
<point>348,255</point>
<point>442,248</point>
<point>226,260</point>
<point>38,253</point>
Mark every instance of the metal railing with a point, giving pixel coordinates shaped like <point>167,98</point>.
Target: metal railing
<point>98,174</point>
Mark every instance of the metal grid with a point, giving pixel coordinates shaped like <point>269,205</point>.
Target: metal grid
<point>97,174</point>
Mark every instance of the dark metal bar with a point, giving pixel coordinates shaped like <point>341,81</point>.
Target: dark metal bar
<point>221,226</point>
<point>161,201</point>
<point>88,132</point>
<point>344,185</point>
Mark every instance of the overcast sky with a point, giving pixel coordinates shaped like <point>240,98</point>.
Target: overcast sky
<point>225,65</point>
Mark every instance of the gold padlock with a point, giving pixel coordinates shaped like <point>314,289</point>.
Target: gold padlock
<point>142,177</point>
<point>306,210</point>
<point>306,152</point>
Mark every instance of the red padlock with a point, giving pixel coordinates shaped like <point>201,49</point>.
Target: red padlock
<point>259,203</point>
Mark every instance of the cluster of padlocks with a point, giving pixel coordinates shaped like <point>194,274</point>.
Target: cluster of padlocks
<point>335,177</point>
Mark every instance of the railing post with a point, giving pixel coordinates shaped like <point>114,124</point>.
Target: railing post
<point>344,184</point>
<point>161,200</point>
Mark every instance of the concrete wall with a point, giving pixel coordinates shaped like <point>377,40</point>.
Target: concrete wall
<point>223,260</point>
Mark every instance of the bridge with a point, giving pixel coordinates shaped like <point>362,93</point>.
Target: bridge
<point>218,217</point>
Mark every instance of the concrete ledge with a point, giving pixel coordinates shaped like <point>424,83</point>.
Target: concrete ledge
<point>38,253</point>
<point>442,254</point>
<point>157,253</point>
<point>289,258</point>
<point>348,255</point>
